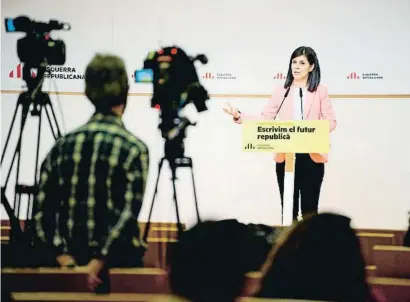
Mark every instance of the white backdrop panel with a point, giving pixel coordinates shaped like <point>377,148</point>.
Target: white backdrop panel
<point>366,178</point>
<point>252,42</point>
<point>368,170</point>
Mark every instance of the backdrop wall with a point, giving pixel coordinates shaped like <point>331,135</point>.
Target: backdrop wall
<point>362,48</point>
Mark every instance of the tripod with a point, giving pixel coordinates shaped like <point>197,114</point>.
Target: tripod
<point>174,163</point>
<point>37,100</point>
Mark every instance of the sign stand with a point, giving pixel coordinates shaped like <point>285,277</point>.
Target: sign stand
<point>289,184</point>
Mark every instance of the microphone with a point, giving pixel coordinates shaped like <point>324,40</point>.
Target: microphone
<point>301,100</point>
<point>284,97</point>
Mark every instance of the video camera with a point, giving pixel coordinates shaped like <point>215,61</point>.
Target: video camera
<point>176,84</point>
<point>37,48</point>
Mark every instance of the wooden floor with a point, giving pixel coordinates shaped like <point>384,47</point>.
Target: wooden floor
<point>388,269</point>
<point>163,235</point>
<point>394,289</point>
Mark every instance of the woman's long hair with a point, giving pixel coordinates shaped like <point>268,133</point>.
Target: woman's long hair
<point>314,75</point>
<point>317,259</point>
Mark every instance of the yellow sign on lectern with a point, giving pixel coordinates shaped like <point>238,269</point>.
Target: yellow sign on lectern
<point>286,136</point>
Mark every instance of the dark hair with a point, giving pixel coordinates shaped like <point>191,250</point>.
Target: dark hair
<point>314,75</point>
<point>319,259</point>
<point>106,82</point>
<point>209,262</point>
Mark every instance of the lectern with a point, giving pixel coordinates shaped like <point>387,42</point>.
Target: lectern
<point>289,138</point>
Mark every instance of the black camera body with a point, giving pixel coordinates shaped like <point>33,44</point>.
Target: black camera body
<point>37,48</point>
<point>173,75</point>
<point>34,51</point>
<point>176,84</point>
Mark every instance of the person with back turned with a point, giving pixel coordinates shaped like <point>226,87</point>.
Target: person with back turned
<point>92,182</point>
<point>301,97</point>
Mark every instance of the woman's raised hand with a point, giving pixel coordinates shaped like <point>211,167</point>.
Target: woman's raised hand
<point>232,111</point>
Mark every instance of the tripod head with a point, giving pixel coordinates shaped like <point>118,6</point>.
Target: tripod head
<point>174,139</point>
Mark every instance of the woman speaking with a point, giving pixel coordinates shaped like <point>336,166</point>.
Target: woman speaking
<point>302,97</point>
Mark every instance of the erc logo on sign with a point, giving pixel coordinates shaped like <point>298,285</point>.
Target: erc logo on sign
<point>218,76</point>
<point>364,76</point>
<point>17,73</point>
<point>279,76</point>
<point>52,72</point>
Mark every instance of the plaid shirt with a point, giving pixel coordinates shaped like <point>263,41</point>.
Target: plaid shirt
<point>91,189</point>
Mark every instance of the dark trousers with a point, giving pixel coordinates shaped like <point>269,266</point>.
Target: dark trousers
<point>308,182</point>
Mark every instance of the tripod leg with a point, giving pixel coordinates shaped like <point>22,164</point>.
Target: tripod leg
<point>14,212</point>
<point>17,200</point>
<point>38,147</point>
<point>24,112</point>
<point>147,226</point>
<point>9,134</point>
<point>51,124</point>
<point>173,170</point>
<point>195,196</point>
<point>15,231</point>
<point>30,200</point>
<point>17,203</point>
<point>56,132</point>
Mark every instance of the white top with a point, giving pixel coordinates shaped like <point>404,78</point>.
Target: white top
<point>297,109</point>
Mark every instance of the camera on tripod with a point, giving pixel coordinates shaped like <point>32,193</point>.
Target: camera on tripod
<point>37,47</point>
<point>173,74</point>
<point>176,84</point>
<point>36,50</point>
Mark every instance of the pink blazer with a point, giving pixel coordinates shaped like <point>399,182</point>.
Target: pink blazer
<point>317,107</point>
